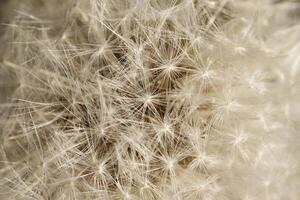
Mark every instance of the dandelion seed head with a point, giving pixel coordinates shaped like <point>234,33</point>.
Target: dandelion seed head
<point>151,100</point>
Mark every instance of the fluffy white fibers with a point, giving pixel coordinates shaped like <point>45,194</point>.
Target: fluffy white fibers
<point>152,100</point>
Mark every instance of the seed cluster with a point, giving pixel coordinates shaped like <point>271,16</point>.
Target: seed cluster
<point>149,100</point>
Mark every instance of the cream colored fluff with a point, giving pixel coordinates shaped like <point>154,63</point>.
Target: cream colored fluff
<point>153,99</point>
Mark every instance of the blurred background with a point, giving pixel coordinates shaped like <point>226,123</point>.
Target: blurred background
<point>8,79</point>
